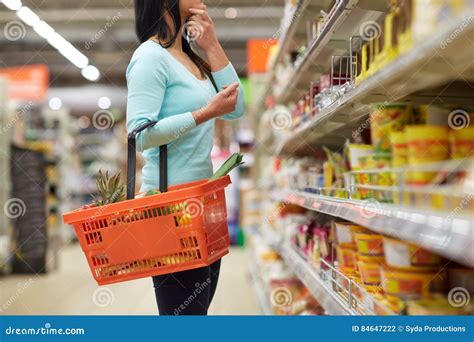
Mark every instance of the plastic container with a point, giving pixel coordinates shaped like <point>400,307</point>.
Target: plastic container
<point>387,118</point>
<point>379,161</point>
<point>433,142</point>
<point>178,230</point>
<point>356,151</point>
<point>347,257</point>
<point>399,149</point>
<point>408,285</point>
<point>369,244</point>
<point>405,255</point>
<point>369,269</point>
<point>345,233</point>
<point>383,306</point>
<point>462,143</point>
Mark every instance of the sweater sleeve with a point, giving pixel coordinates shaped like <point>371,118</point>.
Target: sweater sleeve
<point>227,76</point>
<point>147,79</point>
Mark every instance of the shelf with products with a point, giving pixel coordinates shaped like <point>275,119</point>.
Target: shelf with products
<point>303,269</point>
<point>437,232</point>
<point>338,293</point>
<point>293,31</point>
<point>402,170</point>
<point>354,270</point>
<point>277,288</point>
<point>346,18</point>
<point>394,82</point>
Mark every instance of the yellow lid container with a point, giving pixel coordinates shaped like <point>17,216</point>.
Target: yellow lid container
<point>409,285</point>
<point>462,143</point>
<point>404,255</point>
<point>369,244</point>
<point>426,144</point>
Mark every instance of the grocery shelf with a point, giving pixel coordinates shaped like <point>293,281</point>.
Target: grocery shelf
<point>297,20</point>
<point>334,39</point>
<point>427,61</point>
<point>310,278</point>
<point>442,233</point>
<point>346,20</point>
<point>287,37</point>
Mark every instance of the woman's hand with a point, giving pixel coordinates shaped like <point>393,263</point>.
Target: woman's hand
<point>223,103</point>
<point>200,28</point>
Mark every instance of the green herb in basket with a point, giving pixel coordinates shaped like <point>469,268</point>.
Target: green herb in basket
<point>152,192</point>
<point>110,189</point>
<point>234,161</point>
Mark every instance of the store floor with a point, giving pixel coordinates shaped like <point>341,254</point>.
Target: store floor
<point>71,291</point>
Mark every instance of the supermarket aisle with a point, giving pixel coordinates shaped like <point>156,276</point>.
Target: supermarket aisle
<point>72,291</point>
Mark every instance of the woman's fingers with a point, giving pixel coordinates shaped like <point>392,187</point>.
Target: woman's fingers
<point>201,12</point>
<point>197,11</point>
<point>228,90</point>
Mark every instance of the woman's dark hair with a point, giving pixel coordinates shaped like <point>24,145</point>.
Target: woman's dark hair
<point>150,22</point>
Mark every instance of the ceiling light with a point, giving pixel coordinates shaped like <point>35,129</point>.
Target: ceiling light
<point>230,13</point>
<point>55,103</point>
<point>57,41</point>
<point>75,56</point>
<point>91,73</point>
<point>43,29</point>
<point>28,16</point>
<point>104,103</point>
<point>68,50</point>
<point>64,47</point>
<point>14,5</point>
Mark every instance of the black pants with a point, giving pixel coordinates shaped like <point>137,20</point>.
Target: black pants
<point>188,292</point>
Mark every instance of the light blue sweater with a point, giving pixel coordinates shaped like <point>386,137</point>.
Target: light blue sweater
<point>161,88</point>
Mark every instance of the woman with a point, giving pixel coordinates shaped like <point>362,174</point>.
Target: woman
<point>170,83</point>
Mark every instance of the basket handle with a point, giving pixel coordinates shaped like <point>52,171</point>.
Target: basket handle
<point>132,161</point>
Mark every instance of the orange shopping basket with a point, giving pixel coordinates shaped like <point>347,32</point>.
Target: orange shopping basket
<point>183,228</point>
